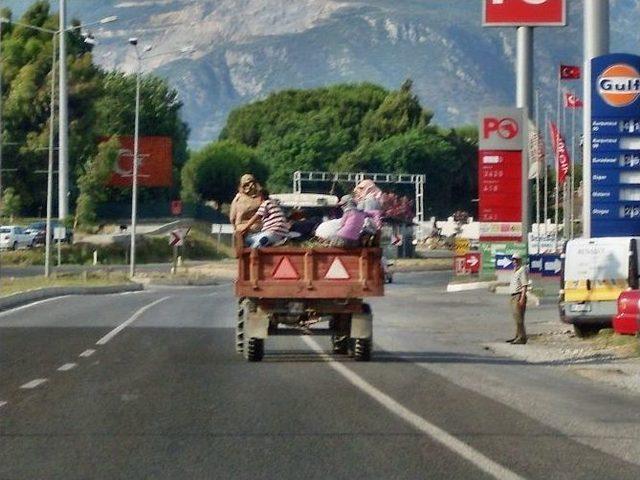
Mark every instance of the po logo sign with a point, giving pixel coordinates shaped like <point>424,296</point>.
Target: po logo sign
<point>619,85</point>
<point>505,128</point>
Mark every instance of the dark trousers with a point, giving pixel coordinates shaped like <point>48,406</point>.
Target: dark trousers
<point>518,313</point>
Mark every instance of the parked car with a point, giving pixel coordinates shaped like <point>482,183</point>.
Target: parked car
<point>38,235</point>
<point>13,237</point>
<point>38,230</point>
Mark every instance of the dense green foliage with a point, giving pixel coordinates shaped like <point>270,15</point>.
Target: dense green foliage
<point>361,128</point>
<point>100,105</point>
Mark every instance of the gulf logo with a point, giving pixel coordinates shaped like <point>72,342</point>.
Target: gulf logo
<point>619,85</point>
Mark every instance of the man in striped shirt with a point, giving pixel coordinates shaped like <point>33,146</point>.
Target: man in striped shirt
<point>274,225</point>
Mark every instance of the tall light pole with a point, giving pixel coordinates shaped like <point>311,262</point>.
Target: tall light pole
<point>136,138</point>
<point>63,130</point>
<point>596,43</point>
<point>1,123</point>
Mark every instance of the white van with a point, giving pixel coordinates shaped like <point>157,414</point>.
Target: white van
<point>594,273</point>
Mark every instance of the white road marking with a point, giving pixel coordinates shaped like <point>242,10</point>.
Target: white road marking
<point>34,383</point>
<point>87,353</point>
<point>29,305</point>
<point>67,366</point>
<point>104,340</point>
<point>436,433</point>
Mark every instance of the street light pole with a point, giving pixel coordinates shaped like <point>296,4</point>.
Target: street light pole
<point>63,130</point>
<point>52,114</point>
<point>1,123</point>
<point>134,190</point>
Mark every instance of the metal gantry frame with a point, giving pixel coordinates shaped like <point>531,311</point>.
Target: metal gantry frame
<point>352,177</point>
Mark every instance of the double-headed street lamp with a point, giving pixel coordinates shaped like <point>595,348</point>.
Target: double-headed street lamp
<point>55,34</point>
<point>140,57</point>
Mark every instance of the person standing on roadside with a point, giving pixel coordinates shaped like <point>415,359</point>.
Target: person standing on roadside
<point>518,290</point>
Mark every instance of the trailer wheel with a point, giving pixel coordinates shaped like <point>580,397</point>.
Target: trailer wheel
<point>254,350</point>
<point>362,349</point>
<point>240,329</point>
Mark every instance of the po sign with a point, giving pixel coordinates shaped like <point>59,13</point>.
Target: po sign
<point>505,13</point>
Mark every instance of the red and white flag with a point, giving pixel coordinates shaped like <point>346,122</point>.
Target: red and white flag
<point>563,161</point>
<point>536,151</point>
<point>571,100</point>
<point>570,72</point>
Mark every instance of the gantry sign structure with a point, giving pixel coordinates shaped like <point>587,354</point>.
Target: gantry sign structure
<point>381,178</point>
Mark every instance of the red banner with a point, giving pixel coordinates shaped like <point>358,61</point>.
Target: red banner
<point>570,72</point>
<point>500,186</point>
<point>155,167</point>
<point>563,161</point>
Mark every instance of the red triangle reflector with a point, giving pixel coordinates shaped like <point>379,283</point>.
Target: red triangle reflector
<point>285,270</point>
<point>337,271</point>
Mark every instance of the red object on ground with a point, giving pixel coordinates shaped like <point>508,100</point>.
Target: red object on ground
<point>176,207</point>
<point>627,321</point>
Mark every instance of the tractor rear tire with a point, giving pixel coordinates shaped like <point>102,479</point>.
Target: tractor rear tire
<point>362,349</point>
<point>254,350</point>
<point>240,329</point>
<point>339,344</point>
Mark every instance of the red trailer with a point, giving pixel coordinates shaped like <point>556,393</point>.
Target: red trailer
<point>288,290</point>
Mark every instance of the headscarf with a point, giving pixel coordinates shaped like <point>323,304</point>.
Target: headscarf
<point>367,189</point>
<point>249,185</point>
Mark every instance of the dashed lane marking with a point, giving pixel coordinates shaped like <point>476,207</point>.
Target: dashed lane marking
<point>87,353</point>
<point>34,383</point>
<point>67,366</point>
<point>104,340</point>
<point>436,433</point>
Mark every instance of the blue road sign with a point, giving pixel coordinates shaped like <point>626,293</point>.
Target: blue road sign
<point>551,265</point>
<point>504,262</point>
<point>535,263</point>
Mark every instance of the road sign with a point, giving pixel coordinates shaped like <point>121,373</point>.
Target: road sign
<point>222,228</point>
<point>461,246</point>
<point>551,265</point>
<point>504,262</point>
<point>472,261</point>
<point>489,251</point>
<point>460,265</point>
<point>59,233</point>
<point>177,237</point>
<point>535,263</point>
<point>504,13</point>
<point>615,146</point>
<point>501,128</point>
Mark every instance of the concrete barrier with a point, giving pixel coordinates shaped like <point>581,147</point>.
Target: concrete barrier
<point>24,298</point>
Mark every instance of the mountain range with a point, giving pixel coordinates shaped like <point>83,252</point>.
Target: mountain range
<point>246,49</point>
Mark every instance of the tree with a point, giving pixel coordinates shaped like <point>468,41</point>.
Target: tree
<point>11,203</point>
<point>213,172</point>
<point>93,181</point>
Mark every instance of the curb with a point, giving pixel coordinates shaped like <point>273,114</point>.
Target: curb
<point>465,287</point>
<point>24,298</point>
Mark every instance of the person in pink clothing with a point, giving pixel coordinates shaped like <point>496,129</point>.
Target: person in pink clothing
<point>351,224</point>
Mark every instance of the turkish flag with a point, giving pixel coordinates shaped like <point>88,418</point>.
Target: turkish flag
<point>570,72</point>
<point>571,100</point>
<point>563,161</point>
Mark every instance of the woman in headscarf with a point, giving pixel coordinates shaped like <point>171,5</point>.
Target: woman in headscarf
<point>246,203</point>
<point>369,198</point>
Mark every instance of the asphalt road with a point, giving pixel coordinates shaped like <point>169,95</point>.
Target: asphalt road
<point>147,385</point>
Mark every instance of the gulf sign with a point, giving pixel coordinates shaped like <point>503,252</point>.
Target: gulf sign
<point>616,86</point>
<point>505,13</point>
<point>155,167</point>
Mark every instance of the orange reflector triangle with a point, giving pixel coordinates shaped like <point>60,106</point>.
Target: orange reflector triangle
<point>285,270</point>
<point>337,271</point>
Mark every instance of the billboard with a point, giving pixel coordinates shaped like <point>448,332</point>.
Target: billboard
<point>155,168</point>
<point>501,129</point>
<point>615,146</point>
<point>517,13</point>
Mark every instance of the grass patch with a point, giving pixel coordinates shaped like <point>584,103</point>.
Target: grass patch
<point>9,286</point>
<point>627,345</point>
<point>200,245</point>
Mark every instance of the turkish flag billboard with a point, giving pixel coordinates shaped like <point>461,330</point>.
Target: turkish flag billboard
<point>505,13</point>
<point>155,167</point>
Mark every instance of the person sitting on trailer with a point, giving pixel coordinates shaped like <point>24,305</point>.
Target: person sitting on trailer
<point>275,227</point>
<point>351,224</point>
<point>368,197</point>
<point>246,203</point>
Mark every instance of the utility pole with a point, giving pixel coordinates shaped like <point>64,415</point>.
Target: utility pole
<point>63,131</point>
<point>52,115</point>
<point>596,43</point>
<point>524,99</point>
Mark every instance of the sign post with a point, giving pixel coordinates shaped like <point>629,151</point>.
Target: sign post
<point>177,239</point>
<point>59,234</point>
